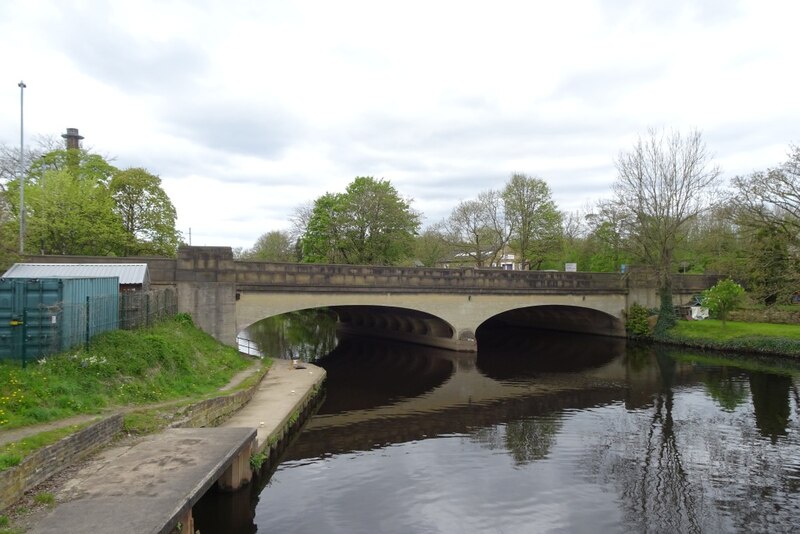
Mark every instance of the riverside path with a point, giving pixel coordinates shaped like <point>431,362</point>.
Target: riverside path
<point>151,485</point>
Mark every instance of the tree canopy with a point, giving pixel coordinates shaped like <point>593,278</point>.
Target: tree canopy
<point>476,229</point>
<point>273,246</point>
<point>77,203</point>
<point>147,213</point>
<point>533,219</point>
<point>367,224</point>
<point>663,183</point>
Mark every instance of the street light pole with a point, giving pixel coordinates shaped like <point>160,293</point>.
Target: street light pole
<point>22,87</point>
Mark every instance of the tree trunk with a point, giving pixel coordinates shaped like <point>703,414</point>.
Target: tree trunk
<point>666,311</point>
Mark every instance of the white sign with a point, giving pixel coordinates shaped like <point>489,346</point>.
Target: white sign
<point>571,267</point>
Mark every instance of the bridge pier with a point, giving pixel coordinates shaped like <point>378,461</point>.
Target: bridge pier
<point>205,278</point>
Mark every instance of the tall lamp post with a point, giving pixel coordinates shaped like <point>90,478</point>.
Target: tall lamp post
<point>22,87</point>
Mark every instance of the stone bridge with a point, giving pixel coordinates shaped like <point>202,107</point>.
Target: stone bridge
<point>437,307</point>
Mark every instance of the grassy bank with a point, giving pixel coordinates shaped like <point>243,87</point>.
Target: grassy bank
<point>171,360</point>
<point>764,338</point>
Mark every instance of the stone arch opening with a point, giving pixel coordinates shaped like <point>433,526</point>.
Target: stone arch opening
<point>401,324</point>
<point>527,342</point>
<point>561,318</point>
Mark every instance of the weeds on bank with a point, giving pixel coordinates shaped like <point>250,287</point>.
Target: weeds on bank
<point>45,497</point>
<point>5,526</point>
<point>170,360</point>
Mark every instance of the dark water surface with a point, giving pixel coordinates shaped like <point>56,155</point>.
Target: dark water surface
<point>538,432</point>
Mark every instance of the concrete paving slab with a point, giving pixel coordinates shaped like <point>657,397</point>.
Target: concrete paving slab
<point>279,395</point>
<point>147,487</point>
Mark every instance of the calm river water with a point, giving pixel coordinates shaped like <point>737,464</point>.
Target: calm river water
<point>538,432</point>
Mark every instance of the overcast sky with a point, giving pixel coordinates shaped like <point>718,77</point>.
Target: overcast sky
<point>249,109</point>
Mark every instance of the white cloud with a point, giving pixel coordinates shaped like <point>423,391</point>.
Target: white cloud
<point>247,109</point>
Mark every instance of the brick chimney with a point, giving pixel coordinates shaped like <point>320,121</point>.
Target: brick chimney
<point>73,138</point>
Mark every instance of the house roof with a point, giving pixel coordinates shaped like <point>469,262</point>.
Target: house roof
<point>128,273</point>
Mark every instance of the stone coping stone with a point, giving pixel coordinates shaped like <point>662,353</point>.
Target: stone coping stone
<point>149,486</point>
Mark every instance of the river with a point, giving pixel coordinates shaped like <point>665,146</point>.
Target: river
<point>537,432</point>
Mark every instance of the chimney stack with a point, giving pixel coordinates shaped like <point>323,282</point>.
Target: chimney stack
<point>73,139</point>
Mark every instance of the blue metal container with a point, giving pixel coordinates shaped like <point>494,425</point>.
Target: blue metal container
<point>40,316</point>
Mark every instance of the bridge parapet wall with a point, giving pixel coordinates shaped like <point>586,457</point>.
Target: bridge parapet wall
<point>362,278</point>
<point>357,278</point>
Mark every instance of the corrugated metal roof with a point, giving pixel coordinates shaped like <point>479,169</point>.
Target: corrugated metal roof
<point>128,273</point>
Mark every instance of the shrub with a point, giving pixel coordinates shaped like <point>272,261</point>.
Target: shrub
<point>184,318</point>
<point>636,321</point>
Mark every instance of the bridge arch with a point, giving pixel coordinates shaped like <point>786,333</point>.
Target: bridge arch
<point>560,317</point>
<point>440,320</point>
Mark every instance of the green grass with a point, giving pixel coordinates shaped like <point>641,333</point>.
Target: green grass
<point>765,338</point>
<point>11,454</point>
<point>713,329</point>
<point>171,360</point>
<point>45,497</point>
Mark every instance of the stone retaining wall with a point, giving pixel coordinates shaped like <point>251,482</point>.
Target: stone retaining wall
<point>282,436</point>
<point>211,412</point>
<point>766,316</point>
<point>48,461</point>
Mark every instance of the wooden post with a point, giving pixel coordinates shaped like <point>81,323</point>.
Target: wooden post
<point>239,472</point>
<point>187,523</point>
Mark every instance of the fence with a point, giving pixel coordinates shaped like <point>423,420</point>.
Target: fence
<point>45,330</point>
<point>143,308</point>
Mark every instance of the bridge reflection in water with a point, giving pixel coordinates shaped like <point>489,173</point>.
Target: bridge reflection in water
<point>598,436</point>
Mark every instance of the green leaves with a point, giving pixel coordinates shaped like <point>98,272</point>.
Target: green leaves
<point>723,298</point>
<point>71,216</point>
<point>147,213</point>
<point>77,203</point>
<point>534,220</point>
<point>368,224</point>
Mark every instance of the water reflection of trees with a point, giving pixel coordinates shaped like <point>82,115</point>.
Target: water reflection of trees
<point>684,475</point>
<point>305,335</point>
<point>661,493</point>
<point>527,440</point>
<point>771,394</point>
<point>727,386</point>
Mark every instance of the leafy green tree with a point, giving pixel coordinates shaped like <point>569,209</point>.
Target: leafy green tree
<point>713,244</point>
<point>607,237</point>
<point>320,242</point>
<point>431,247</point>
<point>79,203</point>
<point>8,233</point>
<point>767,213</point>
<point>723,298</point>
<point>772,269</point>
<point>75,217</point>
<point>80,163</point>
<point>147,213</point>
<point>532,216</point>
<point>367,224</point>
<point>273,246</point>
<point>664,182</point>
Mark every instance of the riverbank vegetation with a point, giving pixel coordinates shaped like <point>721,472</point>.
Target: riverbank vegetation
<point>170,360</point>
<point>762,338</point>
